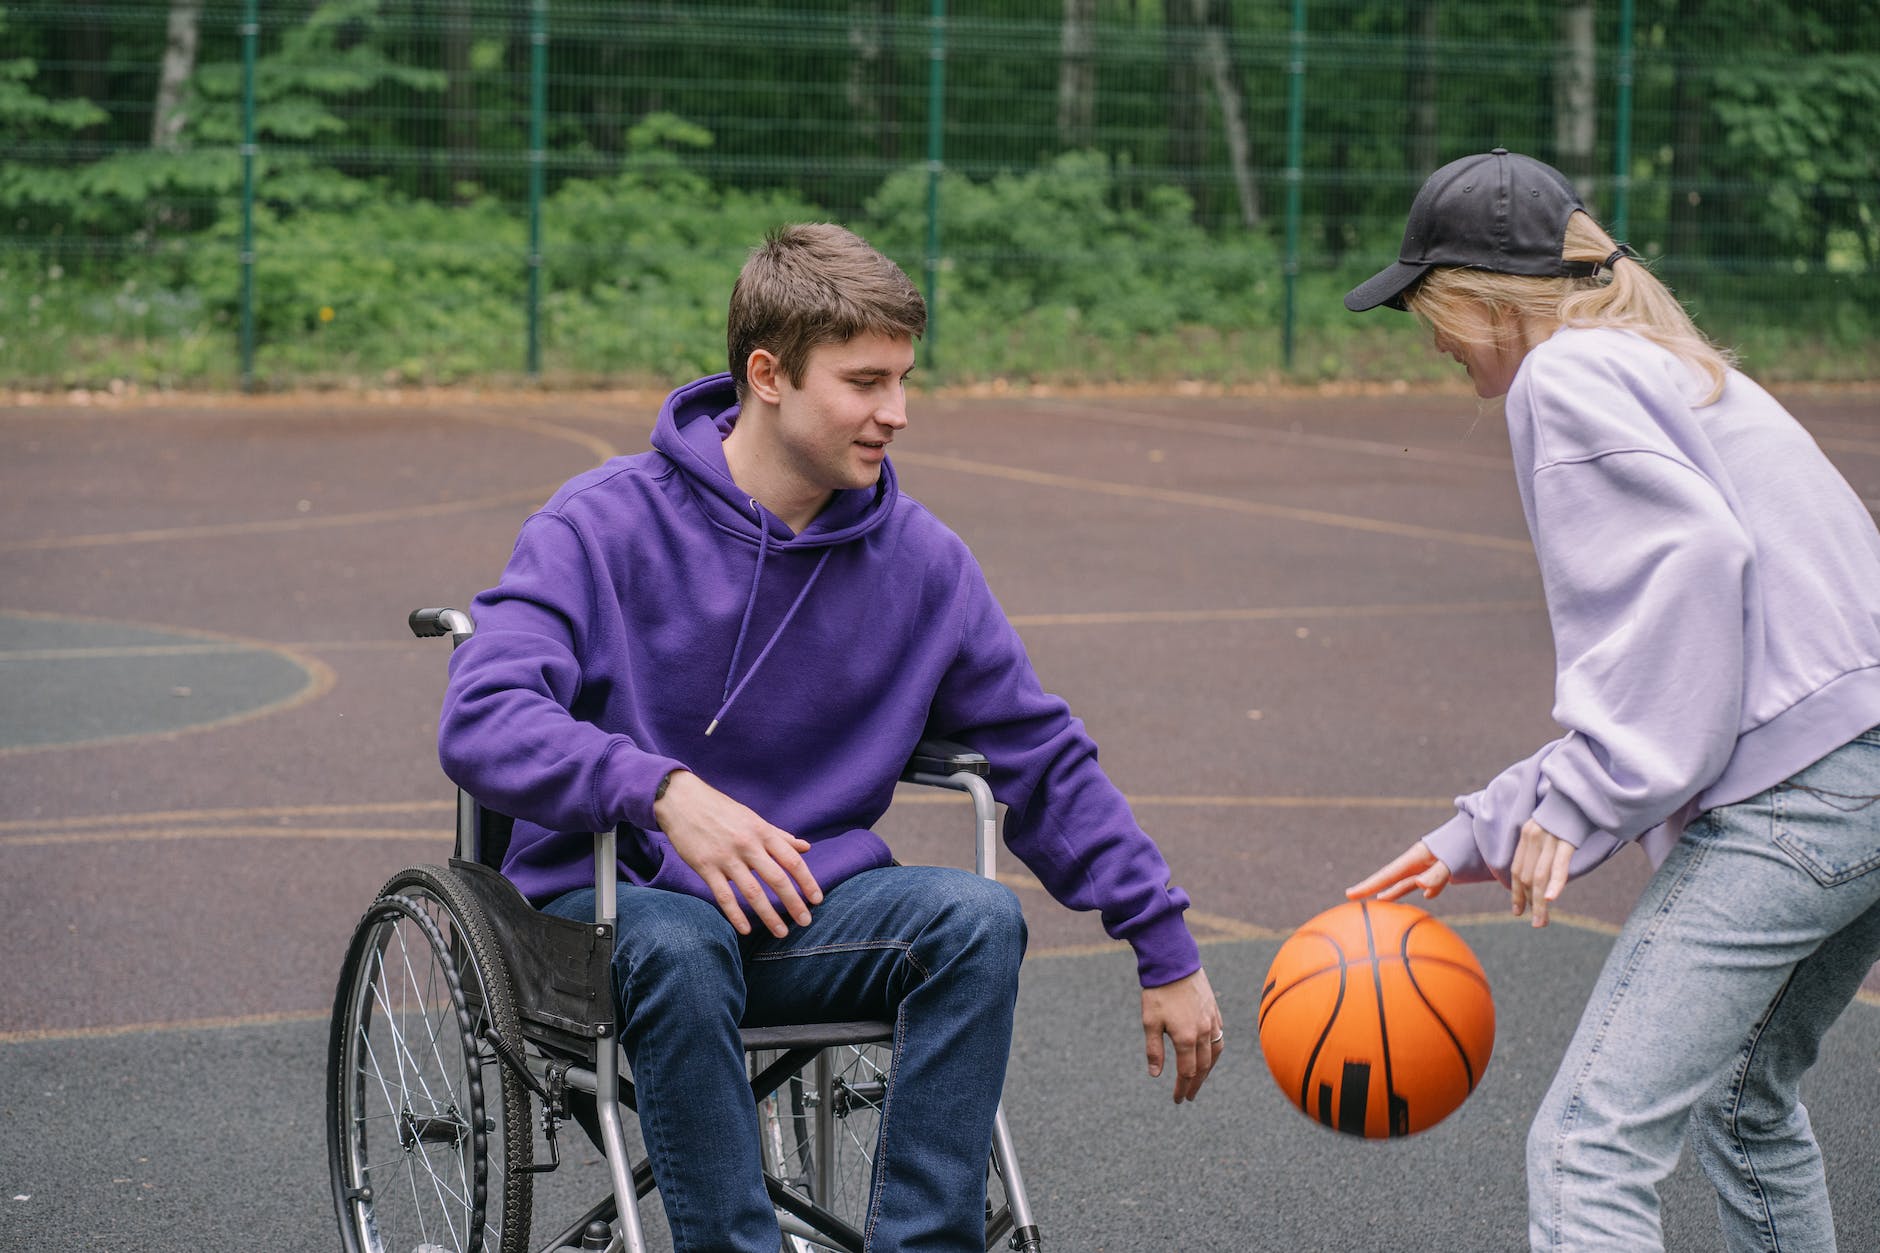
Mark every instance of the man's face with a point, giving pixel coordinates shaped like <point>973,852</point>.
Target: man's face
<point>833,431</point>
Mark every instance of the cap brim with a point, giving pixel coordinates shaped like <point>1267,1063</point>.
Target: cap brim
<point>1386,287</point>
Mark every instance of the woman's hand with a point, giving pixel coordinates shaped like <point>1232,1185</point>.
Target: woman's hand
<point>1417,867</point>
<point>1539,870</point>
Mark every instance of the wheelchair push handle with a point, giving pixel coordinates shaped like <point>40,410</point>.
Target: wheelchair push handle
<point>430,623</point>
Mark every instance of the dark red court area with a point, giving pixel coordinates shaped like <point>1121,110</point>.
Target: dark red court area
<point>1297,626</point>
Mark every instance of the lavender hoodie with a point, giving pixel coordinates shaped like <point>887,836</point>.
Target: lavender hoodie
<point>651,598</point>
<point>1714,588</point>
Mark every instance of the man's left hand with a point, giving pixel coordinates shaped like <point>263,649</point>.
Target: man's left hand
<point>1185,1012</point>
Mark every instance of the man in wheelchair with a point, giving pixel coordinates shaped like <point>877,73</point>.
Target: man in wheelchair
<point>728,647</point>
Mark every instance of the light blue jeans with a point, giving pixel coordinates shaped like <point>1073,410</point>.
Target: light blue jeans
<point>1745,947</point>
<point>934,951</point>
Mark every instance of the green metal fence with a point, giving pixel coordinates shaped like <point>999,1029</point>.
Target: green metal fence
<point>372,191</point>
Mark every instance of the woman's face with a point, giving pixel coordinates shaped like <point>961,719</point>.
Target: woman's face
<point>1487,350</point>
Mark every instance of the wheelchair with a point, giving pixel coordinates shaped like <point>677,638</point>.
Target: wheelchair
<point>465,1020</point>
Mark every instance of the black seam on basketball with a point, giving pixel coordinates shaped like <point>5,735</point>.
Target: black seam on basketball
<point>1267,1006</point>
<point>1305,1082</point>
<point>1468,1066</point>
<point>1450,963</point>
<point>1383,1022</point>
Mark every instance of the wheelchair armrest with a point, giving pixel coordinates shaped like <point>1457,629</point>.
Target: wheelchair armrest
<point>943,757</point>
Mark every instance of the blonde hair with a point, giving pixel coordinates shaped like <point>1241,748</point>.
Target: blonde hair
<point>1476,306</point>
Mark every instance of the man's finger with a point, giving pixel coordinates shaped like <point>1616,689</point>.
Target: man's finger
<point>1152,1037</point>
<point>760,904</point>
<point>1187,1069</point>
<point>780,883</point>
<point>798,869</point>
<point>728,904</point>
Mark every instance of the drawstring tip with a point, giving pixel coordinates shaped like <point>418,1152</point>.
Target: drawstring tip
<point>712,727</point>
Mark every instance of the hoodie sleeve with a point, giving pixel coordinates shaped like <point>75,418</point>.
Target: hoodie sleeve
<point>508,735</point>
<point>1644,567</point>
<point>1064,818</point>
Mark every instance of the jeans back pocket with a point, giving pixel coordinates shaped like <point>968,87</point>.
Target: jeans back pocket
<point>1827,817</point>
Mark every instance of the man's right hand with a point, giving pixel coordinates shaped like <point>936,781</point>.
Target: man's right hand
<point>731,847</point>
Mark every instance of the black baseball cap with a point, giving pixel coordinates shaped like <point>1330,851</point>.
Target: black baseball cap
<point>1496,211</point>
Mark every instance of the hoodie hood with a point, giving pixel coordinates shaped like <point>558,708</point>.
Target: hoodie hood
<point>691,431</point>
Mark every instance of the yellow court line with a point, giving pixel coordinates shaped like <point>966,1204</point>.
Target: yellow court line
<point>320,680</point>
<point>153,1028</point>
<point>276,526</point>
<point>1238,933</point>
<point>1281,613</point>
<point>174,816</point>
<point>1295,802</point>
<point>1262,434</point>
<point>601,449</point>
<point>112,653</point>
<point>1119,617</point>
<point>163,834</point>
<point>1229,504</point>
<point>1870,447</point>
<point>180,824</point>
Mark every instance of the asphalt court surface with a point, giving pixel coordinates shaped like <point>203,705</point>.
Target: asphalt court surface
<point>1297,626</point>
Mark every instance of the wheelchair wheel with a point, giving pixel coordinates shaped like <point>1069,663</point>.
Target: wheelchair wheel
<point>428,1133</point>
<point>819,1132</point>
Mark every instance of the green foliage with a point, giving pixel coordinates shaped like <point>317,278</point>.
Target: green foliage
<point>1814,128</point>
<point>394,166</point>
<point>1070,237</point>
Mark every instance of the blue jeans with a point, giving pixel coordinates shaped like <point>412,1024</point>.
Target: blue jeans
<point>934,951</point>
<point>1745,947</point>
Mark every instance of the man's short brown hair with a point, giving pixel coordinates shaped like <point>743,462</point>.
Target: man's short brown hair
<point>813,284</point>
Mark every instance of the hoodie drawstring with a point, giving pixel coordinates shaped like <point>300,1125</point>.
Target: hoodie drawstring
<point>757,576</point>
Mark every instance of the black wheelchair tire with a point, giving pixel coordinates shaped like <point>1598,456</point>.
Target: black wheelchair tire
<point>448,978</point>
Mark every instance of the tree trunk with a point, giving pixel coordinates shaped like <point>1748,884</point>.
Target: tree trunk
<point>1420,84</point>
<point>179,63</point>
<point>1576,105</point>
<point>1077,75</point>
<point>1220,68</point>
<point>1684,236</point>
<point>460,127</point>
<point>1187,102</point>
<point>887,84</point>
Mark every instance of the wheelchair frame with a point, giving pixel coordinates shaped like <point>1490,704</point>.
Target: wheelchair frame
<point>564,1023</point>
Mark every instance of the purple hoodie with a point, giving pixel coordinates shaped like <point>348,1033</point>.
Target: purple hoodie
<point>651,599</point>
<point>1714,588</point>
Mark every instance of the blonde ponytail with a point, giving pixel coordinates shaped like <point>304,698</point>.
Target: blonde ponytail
<point>1486,308</point>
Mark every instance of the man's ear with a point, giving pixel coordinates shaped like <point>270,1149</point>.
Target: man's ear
<point>763,375</point>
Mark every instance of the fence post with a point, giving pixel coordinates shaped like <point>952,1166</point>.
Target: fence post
<point>1622,127</point>
<point>538,105</point>
<point>1295,159</point>
<point>250,31</point>
<point>936,130</point>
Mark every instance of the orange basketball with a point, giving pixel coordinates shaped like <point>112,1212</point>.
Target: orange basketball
<point>1376,1019</point>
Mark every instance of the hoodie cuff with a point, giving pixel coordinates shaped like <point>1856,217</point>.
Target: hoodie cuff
<point>632,778</point>
<point>1454,845</point>
<point>1165,951</point>
<point>1563,818</point>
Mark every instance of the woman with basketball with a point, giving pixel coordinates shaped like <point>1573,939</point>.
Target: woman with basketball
<point>1714,591</point>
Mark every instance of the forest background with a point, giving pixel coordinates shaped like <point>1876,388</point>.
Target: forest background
<point>390,192</point>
